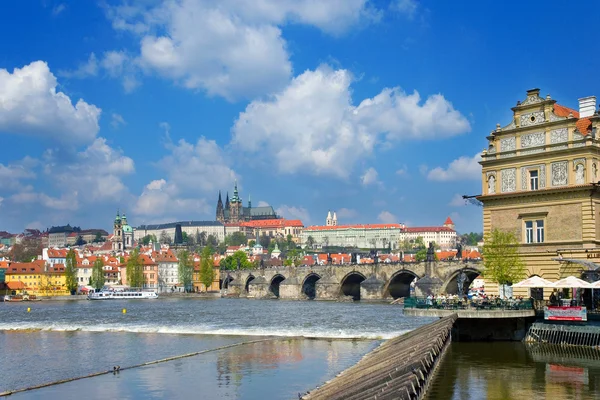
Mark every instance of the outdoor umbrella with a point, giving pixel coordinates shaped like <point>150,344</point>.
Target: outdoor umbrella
<point>534,282</point>
<point>595,285</point>
<point>571,282</point>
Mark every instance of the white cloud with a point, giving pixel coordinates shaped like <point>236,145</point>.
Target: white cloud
<point>58,9</point>
<point>65,202</point>
<point>115,64</point>
<point>293,212</point>
<point>195,172</point>
<point>93,175</point>
<point>403,171</point>
<point>312,126</point>
<point>369,177</point>
<point>88,68</point>
<point>12,175</point>
<point>228,48</point>
<point>30,104</point>
<point>117,121</point>
<point>1,200</point>
<point>463,168</point>
<point>263,204</point>
<point>406,7</point>
<point>457,201</point>
<point>387,217</point>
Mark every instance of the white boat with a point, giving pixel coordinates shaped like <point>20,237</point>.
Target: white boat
<point>125,294</point>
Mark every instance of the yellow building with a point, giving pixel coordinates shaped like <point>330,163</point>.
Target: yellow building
<point>32,278</point>
<point>199,286</point>
<point>540,180</point>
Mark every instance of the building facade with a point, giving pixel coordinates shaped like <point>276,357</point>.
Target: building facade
<point>191,228</point>
<point>275,228</point>
<point>540,180</point>
<point>233,211</point>
<point>122,234</point>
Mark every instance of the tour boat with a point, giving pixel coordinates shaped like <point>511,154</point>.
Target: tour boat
<point>126,294</point>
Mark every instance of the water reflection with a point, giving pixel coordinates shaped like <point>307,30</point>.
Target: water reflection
<point>517,371</point>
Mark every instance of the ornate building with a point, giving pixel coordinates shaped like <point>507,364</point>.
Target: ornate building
<point>234,212</point>
<point>122,234</point>
<point>540,180</point>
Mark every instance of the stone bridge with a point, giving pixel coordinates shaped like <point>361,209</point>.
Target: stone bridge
<point>361,281</point>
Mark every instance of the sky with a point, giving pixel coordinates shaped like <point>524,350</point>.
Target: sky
<point>377,109</point>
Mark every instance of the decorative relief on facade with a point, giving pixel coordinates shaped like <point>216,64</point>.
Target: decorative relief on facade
<point>508,144</point>
<point>491,180</point>
<point>578,139</point>
<point>594,172</point>
<point>510,126</point>
<point>554,117</point>
<point>534,99</point>
<point>534,118</point>
<point>533,139</point>
<point>559,135</point>
<point>559,173</point>
<point>509,180</point>
<point>492,149</point>
<point>542,176</point>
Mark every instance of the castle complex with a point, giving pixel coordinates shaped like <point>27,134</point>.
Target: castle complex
<point>540,179</point>
<point>233,211</point>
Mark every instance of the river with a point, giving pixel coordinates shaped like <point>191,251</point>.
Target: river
<point>296,345</point>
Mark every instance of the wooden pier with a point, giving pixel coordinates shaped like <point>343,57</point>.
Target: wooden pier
<point>400,368</point>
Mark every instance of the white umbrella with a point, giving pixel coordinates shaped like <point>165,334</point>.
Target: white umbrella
<point>595,285</point>
<point>534,282</point>
<point>571,282</point>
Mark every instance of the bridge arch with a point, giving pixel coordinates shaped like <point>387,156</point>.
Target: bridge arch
<point>451,284</point>
<point>275,282</point>
<point>309,285</point>
<point>224,283</point>
<point>249,279</point>
<point>350,285</point>
<point>399,284</point>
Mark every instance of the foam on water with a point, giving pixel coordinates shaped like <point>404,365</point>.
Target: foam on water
<point>202,330</point>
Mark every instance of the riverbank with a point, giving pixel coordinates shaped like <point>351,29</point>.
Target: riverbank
<point>176,295</point>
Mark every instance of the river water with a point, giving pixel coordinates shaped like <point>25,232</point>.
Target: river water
<point>293,347</point>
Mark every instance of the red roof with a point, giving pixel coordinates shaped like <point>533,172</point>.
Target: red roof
<point>448,221</point>
<point>273,223</point>
<point>16,285</point>
<point>367,226</point>
<point>428,229</point>
<point>583,124</point>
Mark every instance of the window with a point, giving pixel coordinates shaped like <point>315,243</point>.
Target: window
<point>539,231</point>
<point>533,180</point>
<point>534,231</point>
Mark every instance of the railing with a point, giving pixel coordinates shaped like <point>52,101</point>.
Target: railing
<point>467,304</point>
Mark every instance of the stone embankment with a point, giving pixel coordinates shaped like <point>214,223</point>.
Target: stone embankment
<point>401,368</point>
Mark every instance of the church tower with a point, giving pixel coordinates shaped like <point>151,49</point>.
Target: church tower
<point>220,212</point>
<point>334,219</point>
<point>329,220</point>
<point>235,206</point>
<point>117,239</point>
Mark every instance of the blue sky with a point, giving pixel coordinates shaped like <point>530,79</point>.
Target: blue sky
<point>376,109</point>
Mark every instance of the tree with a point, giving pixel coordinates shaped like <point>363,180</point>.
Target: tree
<point>238,258</point>
<point>207,273</point>
<point>135,270</point>
<point>185,269</point>
<point>71,272</point>
<point>471,238</point>
<point>421,255</point>
<point>326,241</point>
<point>251,243</point>
<point>264,241</point>
<point>236,239</point>
<point>97,280</point>
<point>404,245</point>
<point>419,243</point>
<point>211,240</point>
<point>26,251</point>
<point>80,241</point>
<point>310,242</point>
<point>501,258</point>
<point>164,237</point>
<point>289,241</point>
<point>98,237</point>
<point>200,238</point>
<point>293,257</point>
<point>184,236</point>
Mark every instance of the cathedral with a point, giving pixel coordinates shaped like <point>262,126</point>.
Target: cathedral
<point>122,234</point>
<point>233,211</point>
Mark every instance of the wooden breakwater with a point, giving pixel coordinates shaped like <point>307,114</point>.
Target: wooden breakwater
<point>561,334</point>
<point>400,368</point>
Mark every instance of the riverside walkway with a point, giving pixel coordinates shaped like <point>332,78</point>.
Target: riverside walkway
<point>400,368</point>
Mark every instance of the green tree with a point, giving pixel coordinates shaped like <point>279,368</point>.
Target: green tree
<point>419,243</point>
<point>264,241</point>
<point>404,245</point>
<point>251,243</point>
<point>293,257</point>
<point>238,258</point>
<point>98,237</point>
<point>289,241</point>
<point>184,237</point>
<point>200,238</point>
<point>165,238</point>
<point>80,241</point>
<point>207,273</point>
<point>71,272</point>
<point>310,242</point>
<point>185,269</point>
<point>135,270</point>
<point>97,279</point>
<point>236,239</point>
<point>211,240</point>
<point>421,255</point>
<point>501,258</point>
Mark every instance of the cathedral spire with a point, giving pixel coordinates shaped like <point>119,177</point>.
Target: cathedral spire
<point>227,201</point>
<point>249,202</point>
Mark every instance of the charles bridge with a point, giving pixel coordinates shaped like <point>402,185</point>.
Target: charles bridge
<point>359,281</point>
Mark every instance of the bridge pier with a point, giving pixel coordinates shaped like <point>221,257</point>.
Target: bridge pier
<point>290,289</point>
<point>372,288</point>
<point>327,288</point>
<point>258,288</point>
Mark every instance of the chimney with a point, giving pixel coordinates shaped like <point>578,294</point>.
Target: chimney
<point>587,106</point>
